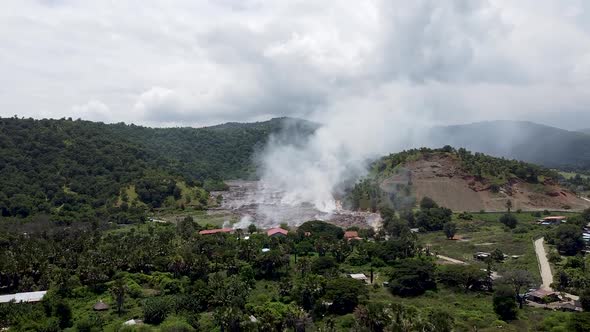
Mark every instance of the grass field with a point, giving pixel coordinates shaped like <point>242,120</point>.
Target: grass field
<point>485,233</point>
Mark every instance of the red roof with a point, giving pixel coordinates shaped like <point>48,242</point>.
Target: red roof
<point>215,231</point>
<point>274,231</point>
<point>351,235</point>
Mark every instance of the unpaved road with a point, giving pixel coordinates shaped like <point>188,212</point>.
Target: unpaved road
<point>586,199</point>
<point>546,274</point>
<point>449,259</point>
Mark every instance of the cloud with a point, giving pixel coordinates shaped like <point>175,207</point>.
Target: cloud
<point>201,62</point>
<point>92,110</point>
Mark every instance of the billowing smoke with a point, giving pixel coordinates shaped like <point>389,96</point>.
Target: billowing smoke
<point>353,132</point>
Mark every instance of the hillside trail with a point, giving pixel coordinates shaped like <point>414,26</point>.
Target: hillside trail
<point>584,198</point>
<point>546,274</point>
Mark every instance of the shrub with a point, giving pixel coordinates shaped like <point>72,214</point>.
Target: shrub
<point>156,309</point>
<point>509,220</point>
<point>505,303</point>
<point>412,277</point>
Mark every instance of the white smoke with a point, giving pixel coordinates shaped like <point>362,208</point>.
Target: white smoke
<point>244,222</point>
<point>353,131</point>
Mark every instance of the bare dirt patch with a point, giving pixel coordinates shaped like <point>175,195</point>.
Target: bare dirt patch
<point>441,178</point>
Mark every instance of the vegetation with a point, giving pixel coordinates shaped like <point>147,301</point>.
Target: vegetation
<point>71,171</point>
<point>368,194</point>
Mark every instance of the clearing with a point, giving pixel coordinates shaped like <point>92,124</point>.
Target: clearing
<point>441,178</point>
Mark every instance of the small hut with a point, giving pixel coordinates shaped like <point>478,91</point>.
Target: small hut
<point>100,306</point>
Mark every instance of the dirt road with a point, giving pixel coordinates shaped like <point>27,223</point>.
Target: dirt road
<point>449,259</point>
<point>546,274</point>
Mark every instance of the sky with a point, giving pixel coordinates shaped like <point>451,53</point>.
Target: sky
<point>196,63</point>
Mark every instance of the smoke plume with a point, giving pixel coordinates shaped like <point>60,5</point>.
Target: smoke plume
<point>352,132</point>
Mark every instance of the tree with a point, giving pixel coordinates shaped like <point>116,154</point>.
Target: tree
<point>344,294</point>
<point>186,227</point>
<point>585,299</point>
<point>156,309</point>
<point>505,303</point>
<point>508,205</point>
<point>450,228</point>
<point>427,203</point>
<point>441,321</point>
<point>119,290</point>
<point>497,255</point>
<point>509,220</point>
<point>464,276</point>
<point>579,322</point>
<point>308,290</point>
<point>568,239</point>
<point>252,229</point>
<point>412,277</point>
<point>519,281</point>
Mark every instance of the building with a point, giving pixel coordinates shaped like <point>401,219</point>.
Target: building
<point>100,306</point>
<point>352,235</point>
<point>277,232</point>
<point>543,296</point>
<point>216,231</point>
<point>23,297</point>
<point>359,276</point>
<point>553,220</point>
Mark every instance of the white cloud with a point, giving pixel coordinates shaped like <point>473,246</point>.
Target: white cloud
<point>199,62</point>
<point>92,110</point>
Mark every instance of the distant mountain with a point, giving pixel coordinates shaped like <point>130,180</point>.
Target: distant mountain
<point>585,131</point>
<point>527,141</point>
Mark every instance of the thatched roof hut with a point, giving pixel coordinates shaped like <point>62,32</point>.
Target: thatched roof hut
<point>100,306</point>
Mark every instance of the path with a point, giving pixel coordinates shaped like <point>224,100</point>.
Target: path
<point>546,274</point>
<point>584,198</point>
<point>449,259</point>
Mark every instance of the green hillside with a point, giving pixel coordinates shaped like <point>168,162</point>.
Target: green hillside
<point>81,170</point>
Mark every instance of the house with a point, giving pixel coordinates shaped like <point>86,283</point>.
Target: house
<point>216,231</point>
<point>100,306</point>
<point>277,232</point>
<point>359,276</point>
<point>352,235</point>
<point>553,220</point>
<point>23,297</point>
<point>543,296</point>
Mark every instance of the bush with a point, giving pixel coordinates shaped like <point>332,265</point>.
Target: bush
<point>412,277</point>
<point>509,220</point>
<point>176,324</point>
<point>156,309</point>
<point>568,239</point>
<point>505,303</point>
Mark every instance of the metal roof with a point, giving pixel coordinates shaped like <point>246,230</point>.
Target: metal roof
<point>23,297</point>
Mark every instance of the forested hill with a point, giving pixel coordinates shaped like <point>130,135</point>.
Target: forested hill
<point>78,169</point>
<point>527,141</point>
